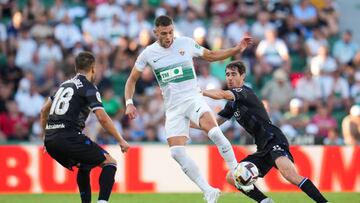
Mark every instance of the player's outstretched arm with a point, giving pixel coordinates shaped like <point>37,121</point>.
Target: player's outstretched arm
<point>129,92</point>
<point>219,94</point>
<point>108,125</point>
<point>44,115</point>
<point>222,54</point>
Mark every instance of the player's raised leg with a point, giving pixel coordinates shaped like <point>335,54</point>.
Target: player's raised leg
<point>208,123</point>
<point>106,179</point>
<point>288,171</point>
<point>189,167</point>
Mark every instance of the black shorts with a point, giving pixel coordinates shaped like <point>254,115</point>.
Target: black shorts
<point>265,160</point>
<point>73,148</point>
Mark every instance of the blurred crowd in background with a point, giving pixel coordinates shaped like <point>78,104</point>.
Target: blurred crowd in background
<point>306,70</point>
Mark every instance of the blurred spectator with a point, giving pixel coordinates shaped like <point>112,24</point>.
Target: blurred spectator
<point>3,38</point>
<point>189,23</point>
<point>120,73</point>
<point>33,9</point>
<point>261,25</point>
<point>340,92</point>
<point>324,121</point>
<point>249,8</point>
<point>49,79</point>
<point>6,93</point>
<point>272,54</point>
<point>111,103</point>
<point>305,13</point>
<point>278,91</point>
<point>26,48</point>
<point>13,124</point>
<point>322,64</point>
<point>92,28</point>
<point>29,99</point>
<point>291,32</point>
<point>67,33</point>
<point>236,30</point>
<point>40,30</point>
<point>345,48</point>
<point>146,85</point>
<point>150,135</point>
<point>225,9</point>
<point>115,29</point>
<point>205,80</point>
<point>309,90</point>
<point>351,126</point>
<point>57,11</point>
<point>139,25</point>
<point>329,16</point>
<point>333,138</point>
<point>49,51</point>
<point>355,89</point>
<point>108,10</point>
<point>313,43</point>
<point>280,10</point>
<point>296,118</point>
<point>101,49</point>
<point>155,106</point>
<point>275,115</point>
<point>215,32</point>
<point>11,73</point>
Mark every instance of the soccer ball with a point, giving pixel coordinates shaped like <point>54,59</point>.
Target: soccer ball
<point>246,173</point>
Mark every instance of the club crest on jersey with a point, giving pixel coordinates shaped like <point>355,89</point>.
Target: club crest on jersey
<point>182,52</point>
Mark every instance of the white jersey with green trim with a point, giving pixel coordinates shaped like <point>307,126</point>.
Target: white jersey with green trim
<point>173,68</point>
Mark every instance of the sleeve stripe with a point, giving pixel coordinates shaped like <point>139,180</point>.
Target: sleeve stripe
<point>97,107</point>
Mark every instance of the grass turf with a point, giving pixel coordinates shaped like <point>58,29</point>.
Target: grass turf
<point>285,197</point>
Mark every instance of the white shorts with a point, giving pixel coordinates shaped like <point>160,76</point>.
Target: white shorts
<point>178,117</point>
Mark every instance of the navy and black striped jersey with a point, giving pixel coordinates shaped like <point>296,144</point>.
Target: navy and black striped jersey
<point>71,105</point>
<point>250,113</point>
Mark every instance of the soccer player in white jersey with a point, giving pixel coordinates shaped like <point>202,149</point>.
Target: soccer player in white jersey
<point>171,60</point>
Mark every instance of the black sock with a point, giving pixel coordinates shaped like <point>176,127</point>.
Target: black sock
<point>310,189</point>
<point>83,181</point>
<point>254,194</point>
<point>106,181</point>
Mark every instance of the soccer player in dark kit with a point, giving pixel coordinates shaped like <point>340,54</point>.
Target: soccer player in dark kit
<point>272,145</point>
<point>63,119</point>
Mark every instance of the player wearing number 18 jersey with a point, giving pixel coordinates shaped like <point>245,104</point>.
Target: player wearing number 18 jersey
<point>63,119</point>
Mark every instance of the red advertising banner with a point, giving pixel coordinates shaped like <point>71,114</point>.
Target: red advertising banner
<point>27,169</point>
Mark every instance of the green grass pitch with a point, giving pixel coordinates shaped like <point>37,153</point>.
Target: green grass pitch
<point>285,197</point>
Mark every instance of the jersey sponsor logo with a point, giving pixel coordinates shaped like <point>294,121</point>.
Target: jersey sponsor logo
<point>54,126</point>
<point>197,46</point>
<point>98,97</point>
<point>171,74</point>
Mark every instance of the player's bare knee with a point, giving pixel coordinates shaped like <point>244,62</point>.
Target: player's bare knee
<point>109,160</point>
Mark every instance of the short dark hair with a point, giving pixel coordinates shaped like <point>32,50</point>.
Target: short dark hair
<point>84,61</point>
<point>239,65</point>
<point>163,20</point>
